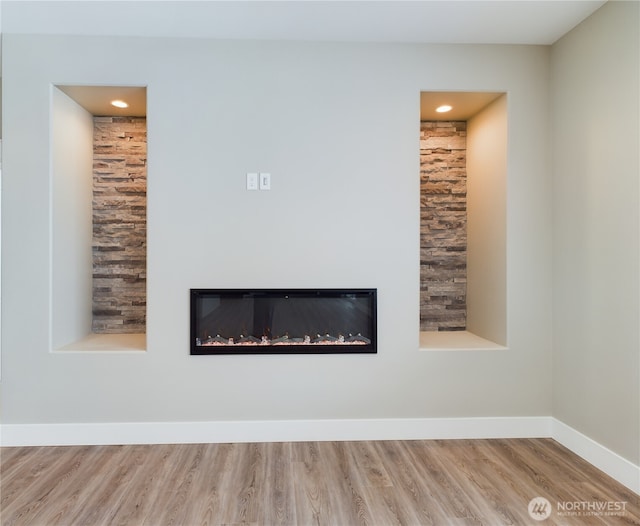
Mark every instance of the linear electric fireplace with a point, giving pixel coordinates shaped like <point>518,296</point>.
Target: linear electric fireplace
<point>283,321</point>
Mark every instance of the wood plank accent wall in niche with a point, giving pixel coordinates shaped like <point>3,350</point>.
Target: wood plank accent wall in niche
<point>443,225</point>
<point>119,225</point>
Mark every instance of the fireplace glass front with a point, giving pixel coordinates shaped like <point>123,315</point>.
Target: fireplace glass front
<point>283,321</point>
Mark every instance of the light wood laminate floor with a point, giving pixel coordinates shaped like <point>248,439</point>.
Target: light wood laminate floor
<point>439,482</point>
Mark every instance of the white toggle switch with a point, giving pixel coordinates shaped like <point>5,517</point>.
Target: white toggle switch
<point>252,181</point>
<point>265,181</point>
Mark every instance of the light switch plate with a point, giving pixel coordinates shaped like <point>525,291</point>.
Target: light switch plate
<point>252,181</point>
<point>265,181</point>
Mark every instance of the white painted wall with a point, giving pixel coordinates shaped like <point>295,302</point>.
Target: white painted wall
<point>71,221</point>
<point>487,134</point>
<point>337,127</point>
<point>595,87</point>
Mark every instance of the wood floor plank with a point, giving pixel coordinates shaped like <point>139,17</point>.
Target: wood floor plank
<point>80,487</point>
<point>421,482</point>
<point>49,477</point>
<point>105,483</point>
<point>446,491</point>
<point>311,493</point>
<point>171,504</point>
<point>209,484</point>
<point>370,469</point>
<point>19,470</point>
<point>149,484</point>
<point>462,460</point>
<point>279,498</point>
<point>408,482</point>
<point>242,495</point>
<point>346,494</point>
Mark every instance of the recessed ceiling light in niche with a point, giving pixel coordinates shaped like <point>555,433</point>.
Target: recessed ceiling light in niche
<point>444,108</point>
<point>119,104</point>
<point>97,99</point>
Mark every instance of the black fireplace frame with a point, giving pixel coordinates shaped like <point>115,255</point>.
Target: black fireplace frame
<point>352,344</point>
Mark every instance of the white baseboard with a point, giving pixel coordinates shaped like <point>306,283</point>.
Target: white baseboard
<point>604,459</point>
<point>272,431</point>
<point>596,454</point>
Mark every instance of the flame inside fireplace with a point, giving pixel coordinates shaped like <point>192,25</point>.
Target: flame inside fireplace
<point>320,339</point>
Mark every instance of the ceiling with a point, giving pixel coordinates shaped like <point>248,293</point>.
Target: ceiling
<point>433,21</point>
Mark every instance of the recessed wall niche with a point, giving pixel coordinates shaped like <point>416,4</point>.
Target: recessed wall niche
<point>98,294</point>
<point>463,173</point>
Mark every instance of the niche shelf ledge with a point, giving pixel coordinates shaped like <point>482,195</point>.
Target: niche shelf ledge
<point>107,343</point>
<point>456,341</point>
